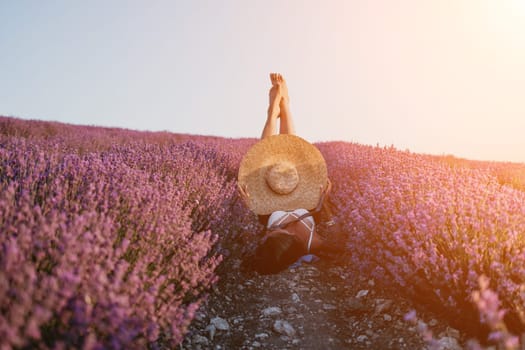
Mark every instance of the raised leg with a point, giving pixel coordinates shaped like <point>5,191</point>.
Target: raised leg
<point>287,125</point>
<point>270,128</point>
<point>279,107</point>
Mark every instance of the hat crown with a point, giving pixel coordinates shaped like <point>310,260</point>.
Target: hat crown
<point>282,177</point>
<point>272,188</point>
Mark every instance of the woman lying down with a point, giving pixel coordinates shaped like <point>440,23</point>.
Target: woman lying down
<point>283,179</point>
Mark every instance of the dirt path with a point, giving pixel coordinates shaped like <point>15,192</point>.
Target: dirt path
<point>314,306</point>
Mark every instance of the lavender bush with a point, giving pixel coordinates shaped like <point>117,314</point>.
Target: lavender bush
<point>110,237</point>
<point>431,229</point>
<point>107,248</point>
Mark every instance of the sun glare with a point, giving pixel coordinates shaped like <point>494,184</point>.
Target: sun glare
<point>509,13</point>
<point>518,5</point>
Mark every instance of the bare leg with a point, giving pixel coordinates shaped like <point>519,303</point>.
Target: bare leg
<point>270,128</point>
<point>287,126</point>
<point>279,108</point>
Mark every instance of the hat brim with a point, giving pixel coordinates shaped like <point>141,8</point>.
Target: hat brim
<point>310,166</point>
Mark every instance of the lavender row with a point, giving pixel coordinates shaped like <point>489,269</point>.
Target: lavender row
<point>432,230</point>
<point>108,249</point>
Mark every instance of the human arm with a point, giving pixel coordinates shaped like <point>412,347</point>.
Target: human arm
<point>324,192</point>
<point>243,191</point>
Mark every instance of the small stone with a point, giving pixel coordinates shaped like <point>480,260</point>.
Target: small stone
<point>220,323</point>
<point>261,336</point>
<point>333,289</point>
<point>272,311</point>
<point>283,327</point>
<point>448,343</point>
<point>362,338</point>
<point>295,298</point>
<point>433,322</point>
<point>200,340</point>
<point>383,305</point>
<point>328,307</point>
<point>256,344</point>
<point>211,331</point>
<point>371,282</point>
<point>387,317</point>
<point>200,316</point>
<point>362,293</point>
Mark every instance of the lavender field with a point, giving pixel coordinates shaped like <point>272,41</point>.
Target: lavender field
<point>110,238</point>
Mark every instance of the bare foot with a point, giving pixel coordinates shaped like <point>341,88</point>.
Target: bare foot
<point>285,98</point>
<point>273,78</point>
<point>275,93</point>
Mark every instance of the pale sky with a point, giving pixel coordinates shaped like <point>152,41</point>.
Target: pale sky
<point>438,77</point>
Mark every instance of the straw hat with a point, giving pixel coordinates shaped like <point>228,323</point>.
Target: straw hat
<point>282,172</point>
